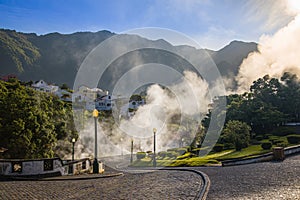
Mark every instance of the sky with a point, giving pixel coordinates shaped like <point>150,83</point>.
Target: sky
<point>211,23</point>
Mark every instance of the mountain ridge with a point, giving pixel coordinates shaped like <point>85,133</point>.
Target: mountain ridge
<point>59,56</point>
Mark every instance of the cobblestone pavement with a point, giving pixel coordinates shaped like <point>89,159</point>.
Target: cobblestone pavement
<point>269,180</point>
<point>154,185</point>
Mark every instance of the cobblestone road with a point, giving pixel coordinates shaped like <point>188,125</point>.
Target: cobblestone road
<point>155,185</point>
<point>269,180</point>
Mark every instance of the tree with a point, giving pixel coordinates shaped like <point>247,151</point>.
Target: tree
<point>290,96</point>
<point>136,97</point>
<point>32,121</point>
<point>237,133</point>
<point>64,86</point>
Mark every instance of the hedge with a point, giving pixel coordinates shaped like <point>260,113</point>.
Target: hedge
<point>293,139</point>
<point>140,155</point>
<point>266,145</point>
<point>218,147</point>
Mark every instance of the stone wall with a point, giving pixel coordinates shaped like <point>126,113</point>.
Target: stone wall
<point>262,158</point>
<point>19,167</point>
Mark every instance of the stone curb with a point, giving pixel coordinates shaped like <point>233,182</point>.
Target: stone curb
<point>64,178</point>
<point>202,195</point>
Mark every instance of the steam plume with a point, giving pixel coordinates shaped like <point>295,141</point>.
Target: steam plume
<point>276,54</point>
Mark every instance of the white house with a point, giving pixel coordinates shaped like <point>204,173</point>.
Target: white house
<point>45,87</point>
<point>104,102</point>
<point>134,105</point>
<point>64,95</point>
<point>128,109</point>
<point>85,94</point>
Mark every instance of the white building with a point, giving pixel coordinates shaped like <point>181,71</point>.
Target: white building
<point>85,94</point>
<point>134,105</point>
<point>64,95</point>
<point>45,87</point>
<point>104,102</point>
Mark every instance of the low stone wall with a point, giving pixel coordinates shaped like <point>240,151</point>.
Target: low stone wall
<point>19,167</point>
<point>80,166</point>
<point>291,150</point>
<point>262,158</point>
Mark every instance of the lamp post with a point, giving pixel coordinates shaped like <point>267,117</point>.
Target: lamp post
<point>182,142</point>
<point>73,144</point>
<point>154,147</point>
<point>95,163</point>
<point>131,152</point>
<point>121,147</point>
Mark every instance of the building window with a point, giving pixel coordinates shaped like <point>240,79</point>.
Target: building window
<point>84,165</point>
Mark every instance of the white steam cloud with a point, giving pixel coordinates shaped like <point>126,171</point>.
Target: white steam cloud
<point>276,54</point>
<point>175,112</point>
<point>166,110</point>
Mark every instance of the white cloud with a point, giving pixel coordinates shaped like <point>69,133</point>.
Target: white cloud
<point>269,15</point>
<point>277,54</point>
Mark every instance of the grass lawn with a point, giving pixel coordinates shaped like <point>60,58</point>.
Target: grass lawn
<point>246,152</point>
<point>210,159</point>
<point>188,159</point>
<point>188,162</point>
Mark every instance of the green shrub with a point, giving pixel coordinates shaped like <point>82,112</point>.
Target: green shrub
<point>171,154</point>
<point>159,158</point>
<point>196,151</point>
<point>255,142</point>
<point>283,131</point>
<point>282,144</point>
<point>293,139</point>
<point>266,145</point>
<point>162,154</point>
<point>140,155</point>
<point>173,149</point>
<point>228,146</point>
<point>218,147</point>
<point>188,148</point>
<point>259,137</point>
<point>150,154</point>
<point>180,151</point>
<point>265,137</point>
<point>186,155</point>
<point>276,141</point>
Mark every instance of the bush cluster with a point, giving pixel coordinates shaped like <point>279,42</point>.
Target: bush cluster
<point>218,147</point>
<point>259,137</point>
<point>283,131</point>
<point>140,155</point>
<point>266,145</point>
<point>293,139</point>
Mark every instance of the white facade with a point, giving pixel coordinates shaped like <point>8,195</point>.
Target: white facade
<point>45,87</point>
<point>134,105</point>
<point>31,167</point>
<point>85,94</point>
<point>104,102</point>
<point>64,95</point>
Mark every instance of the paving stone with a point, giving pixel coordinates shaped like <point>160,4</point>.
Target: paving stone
<point>268,180</point>
<point>154,185</point>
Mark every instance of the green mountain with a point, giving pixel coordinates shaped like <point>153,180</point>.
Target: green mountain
<point>16,51</point>
<point>57,57</point>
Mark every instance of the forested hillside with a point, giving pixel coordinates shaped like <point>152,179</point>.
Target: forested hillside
<point>56,57</point>
<point>32,122</point>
